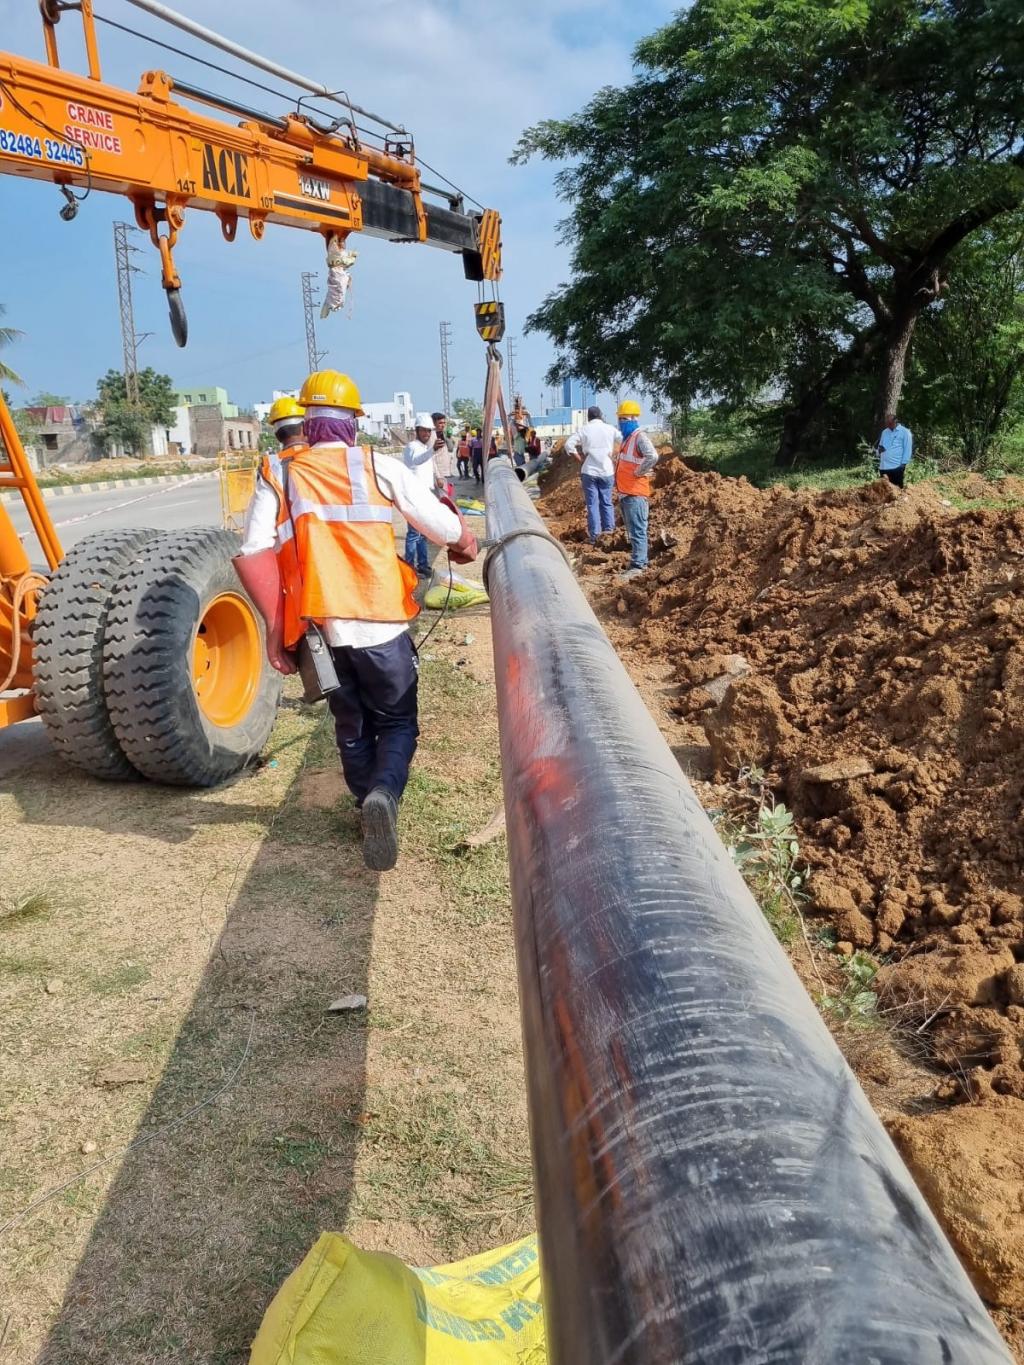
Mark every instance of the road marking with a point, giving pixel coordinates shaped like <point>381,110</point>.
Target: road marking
<point>117,506</point>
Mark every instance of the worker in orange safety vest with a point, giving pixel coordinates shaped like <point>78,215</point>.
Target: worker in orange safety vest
<point>320,547</point>
<point>634,462</point>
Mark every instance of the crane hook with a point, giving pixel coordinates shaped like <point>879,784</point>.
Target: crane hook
<point>179,321</point>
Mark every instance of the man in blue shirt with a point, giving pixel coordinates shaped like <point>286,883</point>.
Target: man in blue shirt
<point>895,447</point>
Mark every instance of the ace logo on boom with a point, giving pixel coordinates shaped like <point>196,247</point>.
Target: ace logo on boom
<point>225,172</point>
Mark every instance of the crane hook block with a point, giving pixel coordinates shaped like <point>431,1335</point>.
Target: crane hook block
<point>490,320</point>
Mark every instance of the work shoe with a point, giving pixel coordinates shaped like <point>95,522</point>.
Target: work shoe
<point>632,572</point>
<point>380,830</point>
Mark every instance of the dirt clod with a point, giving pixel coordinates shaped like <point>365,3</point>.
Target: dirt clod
<point>969,1162</point>
<point>749,728</point>
<point>842,770</point>
<point>953,975</point>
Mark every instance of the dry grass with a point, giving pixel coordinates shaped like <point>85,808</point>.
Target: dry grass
<point>184,921</point>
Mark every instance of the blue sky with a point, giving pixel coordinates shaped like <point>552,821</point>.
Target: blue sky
<point>465,78</point>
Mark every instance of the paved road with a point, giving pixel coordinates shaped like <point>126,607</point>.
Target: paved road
<point>194,501</point>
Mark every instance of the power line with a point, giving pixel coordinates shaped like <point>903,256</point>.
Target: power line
<point>446,388</point>
<point>309,303</point>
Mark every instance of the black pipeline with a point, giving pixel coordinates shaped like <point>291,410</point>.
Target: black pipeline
<point>712,1185</point>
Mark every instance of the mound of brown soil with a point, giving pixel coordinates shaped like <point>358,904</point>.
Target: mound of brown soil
<point>866,649</point>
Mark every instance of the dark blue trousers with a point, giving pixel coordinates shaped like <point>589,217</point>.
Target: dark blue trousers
<point>375,714</point>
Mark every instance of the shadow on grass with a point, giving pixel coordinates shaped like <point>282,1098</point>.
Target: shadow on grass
<point>199,1228</point>
<point>47,791</point>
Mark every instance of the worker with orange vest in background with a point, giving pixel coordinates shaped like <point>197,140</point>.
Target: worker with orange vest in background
<point>285,417</point>
<point>320,547</point>
<point>636,458</point>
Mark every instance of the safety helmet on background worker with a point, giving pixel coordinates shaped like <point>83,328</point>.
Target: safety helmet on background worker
<point>424,422</point>
<point>331,389</point>
<point>285,409</point>
<point>629,407</point>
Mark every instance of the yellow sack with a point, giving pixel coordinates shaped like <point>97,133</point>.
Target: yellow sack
<point>460,592</point>
<point>343,1306</point>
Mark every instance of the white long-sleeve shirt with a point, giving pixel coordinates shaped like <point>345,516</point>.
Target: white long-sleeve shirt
<point>419,457</point>
<point>646,451</point>
<point>597,441</point>
<point>412,497</point>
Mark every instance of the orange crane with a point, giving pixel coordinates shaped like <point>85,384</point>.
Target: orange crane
<point>140,651</point>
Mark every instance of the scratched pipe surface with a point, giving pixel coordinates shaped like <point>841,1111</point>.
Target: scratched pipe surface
<point>712,1185</point>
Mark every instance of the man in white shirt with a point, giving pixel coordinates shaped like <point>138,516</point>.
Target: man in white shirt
<point>418,456</point>
<point>444,454</point>
<point>319,547</point>
<point>595,447</point>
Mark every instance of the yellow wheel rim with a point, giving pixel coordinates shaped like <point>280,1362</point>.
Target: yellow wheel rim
<point>227,658</point>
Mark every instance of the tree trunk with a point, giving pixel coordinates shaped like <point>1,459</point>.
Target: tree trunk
<point>799,417</point>
<point>894,363</point>
<point>794,428</point>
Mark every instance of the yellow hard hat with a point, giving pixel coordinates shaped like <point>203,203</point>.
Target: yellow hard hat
<point>283,408</point>
<point>329,389</point>
<point>629,407</point>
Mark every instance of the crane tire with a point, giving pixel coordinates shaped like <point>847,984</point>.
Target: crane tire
<point>190,693</point>
<point>67,651</point>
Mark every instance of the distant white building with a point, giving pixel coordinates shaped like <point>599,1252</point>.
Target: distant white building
<point>179,431</point>
<point>560,422</point>
<point>262,409</point>
<point>398,413</point>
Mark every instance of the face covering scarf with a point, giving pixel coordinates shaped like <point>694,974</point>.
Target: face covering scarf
<point>336,429</point>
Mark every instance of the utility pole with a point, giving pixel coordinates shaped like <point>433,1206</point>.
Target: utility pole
<point>511,346</point>
<point>309,303</point>
<point>446,387</point>
<point>123,251</point>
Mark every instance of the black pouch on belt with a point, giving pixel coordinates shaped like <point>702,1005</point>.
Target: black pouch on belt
<point>316,665</point>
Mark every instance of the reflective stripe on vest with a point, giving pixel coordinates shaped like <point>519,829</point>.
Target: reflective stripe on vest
<point>337,550</point>
<point>628,482</point>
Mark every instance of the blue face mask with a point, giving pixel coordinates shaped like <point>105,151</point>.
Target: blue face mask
<point>628,425</point>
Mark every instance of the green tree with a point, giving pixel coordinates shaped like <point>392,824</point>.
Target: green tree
<point>24,423</point>
<point>969,356</point>
<point>8,335</point>
<point>468,411</point>
<point>771,202</point>
<point>129,424</point>
<point>45,399</point>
